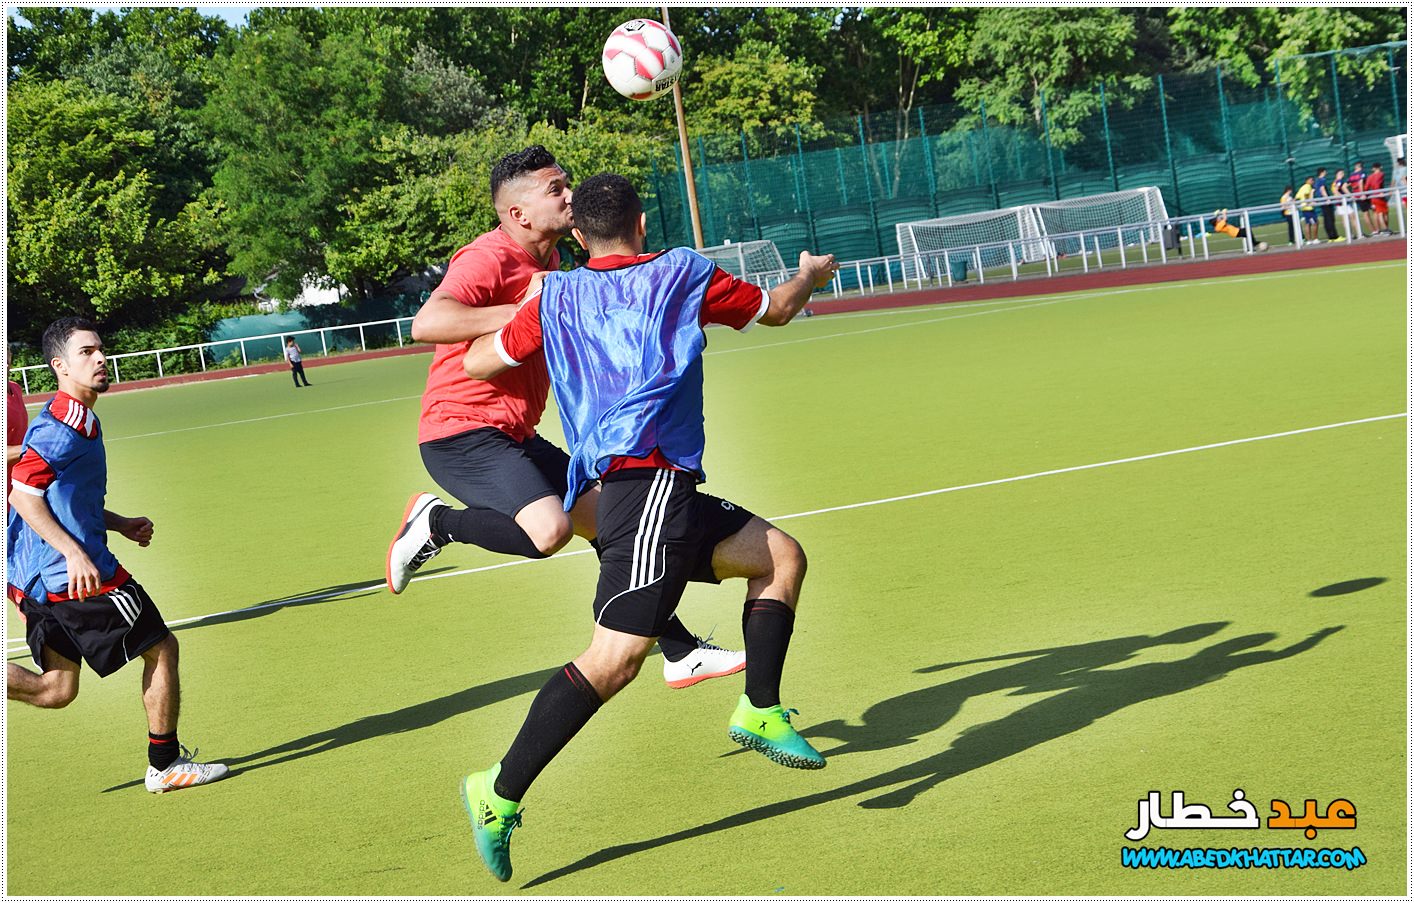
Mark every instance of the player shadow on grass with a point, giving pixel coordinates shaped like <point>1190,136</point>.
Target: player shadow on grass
<point>342,592</point>
<point>1085,690</point>
<point>399,721</point>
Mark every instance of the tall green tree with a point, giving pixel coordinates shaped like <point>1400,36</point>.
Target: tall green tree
<point>297,127</point>
<point>88,232</point>
<point>1019,53</point>
<point>757,89</point>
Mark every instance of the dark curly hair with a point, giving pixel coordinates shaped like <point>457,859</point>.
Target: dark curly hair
<point>513,166</point>
<point>606,208</point>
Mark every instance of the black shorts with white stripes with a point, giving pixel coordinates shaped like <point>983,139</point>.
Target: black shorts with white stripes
<point>107,631</point>
<point>656,532</point>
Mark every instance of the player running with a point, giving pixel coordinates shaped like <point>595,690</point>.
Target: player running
<point>77,601</point>
<point>623,339</point>
<point>477,437</point>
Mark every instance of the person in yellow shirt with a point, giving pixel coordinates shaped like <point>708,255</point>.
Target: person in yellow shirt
<point>1308,210</point>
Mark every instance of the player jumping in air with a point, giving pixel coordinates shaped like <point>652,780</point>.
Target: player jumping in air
<point>477,437</point>
<point>77,601</point>
<point>623,339</point>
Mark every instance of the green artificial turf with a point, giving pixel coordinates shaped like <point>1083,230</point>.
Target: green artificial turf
<point>997,674</point>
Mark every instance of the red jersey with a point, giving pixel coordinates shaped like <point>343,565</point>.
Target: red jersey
<point>729,302</point>
<point>1375,180</point>
<point>16,422</point>
<point>491,270</point>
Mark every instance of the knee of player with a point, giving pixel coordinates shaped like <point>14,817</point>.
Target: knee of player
<point>550,538</point>
<point>166,649</point>
<point>787,555</point>
<point>59,694</point>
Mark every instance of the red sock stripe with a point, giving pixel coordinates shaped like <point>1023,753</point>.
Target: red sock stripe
<point>582,684</point>
<point>769,606</point>
<point>161,741</point>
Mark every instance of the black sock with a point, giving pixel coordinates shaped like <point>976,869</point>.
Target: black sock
<point>766,624</point>
<point>162,750</point>
<point>492,530</point>
<point>677,641</point>
<point>563,706</point>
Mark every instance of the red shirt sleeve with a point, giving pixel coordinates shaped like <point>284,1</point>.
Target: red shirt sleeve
<point>733,302</point>
<point>473,277</point>
<point>32,473</point>
<point>16,417</point>
<point>521,338</point>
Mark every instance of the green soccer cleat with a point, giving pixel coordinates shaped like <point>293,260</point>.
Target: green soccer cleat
<point>769,732</point>
<point>492,820</point>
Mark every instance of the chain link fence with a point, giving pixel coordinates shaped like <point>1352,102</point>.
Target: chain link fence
<point>1206,140</point>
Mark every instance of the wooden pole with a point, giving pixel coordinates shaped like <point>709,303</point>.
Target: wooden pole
<point>686,156</point>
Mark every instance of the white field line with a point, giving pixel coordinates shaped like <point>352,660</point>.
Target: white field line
<point>208,426</point>
<point>15,644</point>
<point>971,309</point>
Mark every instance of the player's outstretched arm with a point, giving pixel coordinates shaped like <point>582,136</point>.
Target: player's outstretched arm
<point>137,529</point>
<point>788,298</point>
<point>444,320</point>
<point>84,579</point>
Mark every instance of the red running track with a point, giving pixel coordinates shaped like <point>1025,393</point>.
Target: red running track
<point>1247,264</point>
<point>1148,274</point>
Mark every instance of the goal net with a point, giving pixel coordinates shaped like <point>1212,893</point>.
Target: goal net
<point>747,258</point>
<point>1134,207</point>
<point>1030,233</point>
<point>926,243</point>
<point>1398,172</point>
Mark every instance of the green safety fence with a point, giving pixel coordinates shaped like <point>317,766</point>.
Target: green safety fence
<point>1206,140</point>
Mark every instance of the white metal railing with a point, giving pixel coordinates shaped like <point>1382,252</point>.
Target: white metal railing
<point>206,354</point>
<point>895,272</point>
<point>1131,242</point>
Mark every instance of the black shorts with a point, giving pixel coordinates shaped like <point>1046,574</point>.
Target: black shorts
<point>656,533</point>
<point>485,468</point>
<point>1363,203</point>
<point>107,631</point>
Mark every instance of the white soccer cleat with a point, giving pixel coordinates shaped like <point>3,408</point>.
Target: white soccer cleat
<point>703,663</point>
<point>413,545</point>
<point>183,773</point>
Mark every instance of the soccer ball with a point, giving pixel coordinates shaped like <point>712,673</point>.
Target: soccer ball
<point>1262,246</point>
<point>642,59</point>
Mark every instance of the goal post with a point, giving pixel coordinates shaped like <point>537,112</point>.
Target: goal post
<point>1030,233</point>
<point>925,243</point>
<point>1131,207</point>
<point>746,258</point>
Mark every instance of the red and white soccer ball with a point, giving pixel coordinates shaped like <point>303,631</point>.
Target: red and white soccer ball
<point>642,59</point>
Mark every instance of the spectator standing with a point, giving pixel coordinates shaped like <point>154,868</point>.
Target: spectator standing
<point>1379,204</point>
<point>1327,201</point>
<point>1340,189</point>
<point>1288,213</point>
<point>1357,186</point>
<point>1304,194</point>
<point>296,362</point>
